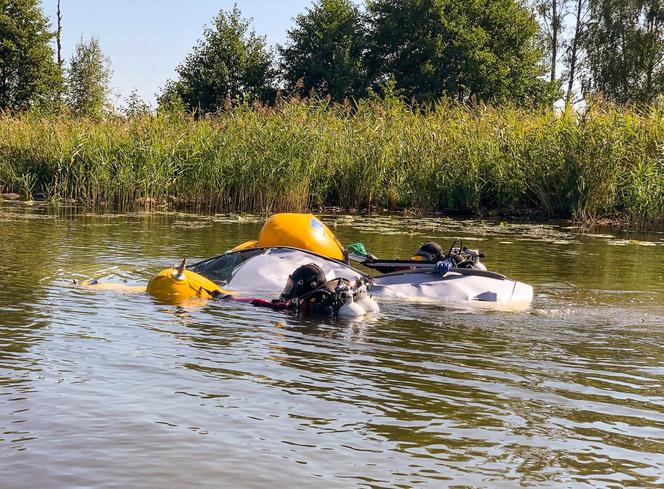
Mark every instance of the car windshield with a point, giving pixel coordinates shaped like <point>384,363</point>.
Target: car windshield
<point>220,268</point>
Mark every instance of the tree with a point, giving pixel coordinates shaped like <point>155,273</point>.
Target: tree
<point>135,105</point>
<point>89,79</point>
<point>552,13</point>
<point>478,48</point>
<point>573,53</point>
<point>29,76</point>
<point>652,35</point>
<point>325,51</point>
<point>58,34</point>
<point>229,64</point>
<point>624,50</point>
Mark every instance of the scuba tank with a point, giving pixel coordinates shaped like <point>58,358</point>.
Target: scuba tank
<point>354,301</point>
<point>365,301</point>
<point>350,308</point>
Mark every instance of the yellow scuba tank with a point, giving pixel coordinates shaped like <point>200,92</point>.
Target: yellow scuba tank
<point>304,231</point>
<point>176,285</point>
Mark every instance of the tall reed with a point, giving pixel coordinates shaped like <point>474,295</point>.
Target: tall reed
<point>607,161</point>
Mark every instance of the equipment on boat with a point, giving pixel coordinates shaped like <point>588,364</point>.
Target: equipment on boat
<point>428,256</point>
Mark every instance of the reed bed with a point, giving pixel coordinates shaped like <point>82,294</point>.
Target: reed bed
<point>606,162</point>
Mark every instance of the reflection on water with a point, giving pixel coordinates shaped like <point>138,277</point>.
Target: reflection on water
<point>99,389</point>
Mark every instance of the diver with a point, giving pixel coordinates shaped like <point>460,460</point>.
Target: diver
<point>429,252</point>
<point>429,256</point>
<point>308,291</point>
<point>303,293</point>
<point>432,252</point>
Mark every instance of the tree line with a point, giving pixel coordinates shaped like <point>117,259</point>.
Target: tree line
<point>610,47</point>
<point>497,51</point>
<point>30,75</point>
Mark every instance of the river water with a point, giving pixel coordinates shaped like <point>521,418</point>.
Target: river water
<point>102,389</point>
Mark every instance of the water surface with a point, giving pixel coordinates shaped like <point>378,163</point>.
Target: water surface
<point>100,389</point>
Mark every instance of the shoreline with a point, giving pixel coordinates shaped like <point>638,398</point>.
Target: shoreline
<point>525,216</point>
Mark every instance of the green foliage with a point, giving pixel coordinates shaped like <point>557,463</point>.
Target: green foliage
<point>88,79</point>
<point>324,53</point>
<point>484,49</point>
<point>624,46</point>
<point>230,64</point>
<point>136,106</point>
<point>607,162</point>
<point>29,76</point>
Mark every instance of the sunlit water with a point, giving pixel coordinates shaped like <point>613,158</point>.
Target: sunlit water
<point>101,389</point>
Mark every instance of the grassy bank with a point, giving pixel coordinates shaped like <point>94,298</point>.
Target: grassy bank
<point>607,163</point>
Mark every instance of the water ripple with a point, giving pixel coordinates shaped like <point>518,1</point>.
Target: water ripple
<point>100,389</point>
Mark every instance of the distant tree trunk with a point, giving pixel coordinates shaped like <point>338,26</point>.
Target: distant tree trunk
<point>651,60</point>
<point>622,66</point>
<point>654,55</point>
<point>59,35</point>
<point>573,58</point>
<point>555,27</point>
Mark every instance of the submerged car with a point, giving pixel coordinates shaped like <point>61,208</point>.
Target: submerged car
<point>264,271</point>
<point>262,268</point>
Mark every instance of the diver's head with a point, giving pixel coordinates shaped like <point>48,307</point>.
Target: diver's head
<point>303,280</point>
<point>429,252</point>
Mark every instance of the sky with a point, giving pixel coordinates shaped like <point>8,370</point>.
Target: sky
<point>146,39</point>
